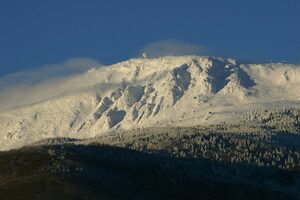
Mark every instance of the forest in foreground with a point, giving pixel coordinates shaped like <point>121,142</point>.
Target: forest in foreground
<point>255,158</point>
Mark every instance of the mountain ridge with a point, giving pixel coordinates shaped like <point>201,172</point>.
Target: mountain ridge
<point>166,91</point>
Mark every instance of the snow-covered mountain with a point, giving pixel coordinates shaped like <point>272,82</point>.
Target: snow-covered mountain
<point>166,91</point>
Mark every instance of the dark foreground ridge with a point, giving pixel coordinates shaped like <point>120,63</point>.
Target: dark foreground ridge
<point>256,158</point>
<point>105,172</point>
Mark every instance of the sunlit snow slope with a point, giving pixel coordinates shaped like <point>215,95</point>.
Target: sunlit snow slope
<point>167,91</point>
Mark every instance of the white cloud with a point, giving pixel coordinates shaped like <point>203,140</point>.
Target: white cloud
<point>31,86</point>
<point>41,83</point>
<point>174,48</point>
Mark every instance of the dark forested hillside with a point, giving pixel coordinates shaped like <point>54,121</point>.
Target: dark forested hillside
<point>255,158</point>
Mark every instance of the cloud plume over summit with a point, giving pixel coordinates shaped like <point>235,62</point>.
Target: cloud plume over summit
<point>174,48</point>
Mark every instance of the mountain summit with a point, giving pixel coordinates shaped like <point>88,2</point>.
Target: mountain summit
<point>166,91</point>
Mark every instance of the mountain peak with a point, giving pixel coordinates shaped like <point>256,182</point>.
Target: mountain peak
<point>144,92</point>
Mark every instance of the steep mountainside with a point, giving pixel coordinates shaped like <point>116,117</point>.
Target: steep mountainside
<point>167,91</point>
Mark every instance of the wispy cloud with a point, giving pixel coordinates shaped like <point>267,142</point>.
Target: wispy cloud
<point>41,83</point>
<point>174,48</point>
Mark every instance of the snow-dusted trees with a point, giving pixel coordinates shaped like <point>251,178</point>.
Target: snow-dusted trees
<point>262,138</point>
<point>285,119</point>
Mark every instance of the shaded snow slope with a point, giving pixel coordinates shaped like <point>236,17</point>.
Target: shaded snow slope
<point>166,91</point>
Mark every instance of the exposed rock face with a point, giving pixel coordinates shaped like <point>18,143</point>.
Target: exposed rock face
<point>181,91</point>
<point>133,94</point>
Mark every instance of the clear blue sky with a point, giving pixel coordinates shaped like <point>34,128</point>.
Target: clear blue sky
<point>37,32</point>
